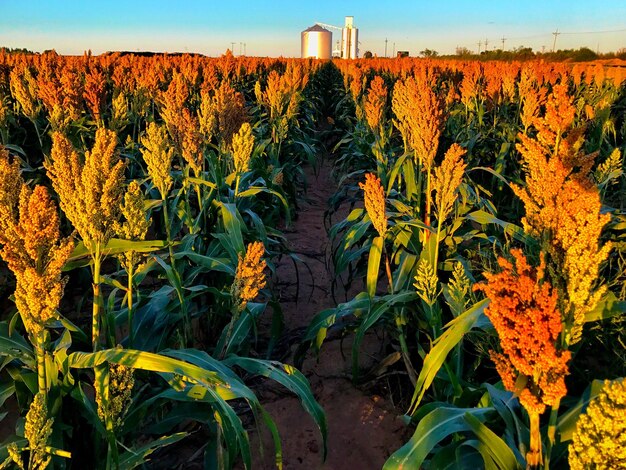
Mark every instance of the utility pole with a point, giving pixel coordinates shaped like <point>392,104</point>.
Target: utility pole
<point>486,45</point>
<point>555,34</point>
<point>503,39</point>
<point>232,47</point>
<point>393,54</point>
<point>385,48</point>
<point>480,43</point>
<point>244,48</point>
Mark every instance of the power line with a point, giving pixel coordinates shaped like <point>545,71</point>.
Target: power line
<point>596,32</point>
<point>555,34</point>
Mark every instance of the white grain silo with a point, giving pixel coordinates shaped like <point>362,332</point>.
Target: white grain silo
<point>317,43</point>
<point>349,39</point>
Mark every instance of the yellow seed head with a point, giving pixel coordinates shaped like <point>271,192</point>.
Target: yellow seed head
<point>447,179</point>
<point>15,455</point>
<point>118,394</point>
<point>375,202</point>
<point>158,155</point>
<point>24,90</point>
<point>37,431</point>
<point>426,282</point>
<point>34,251</point>
<point>119,117</point>
<point>4,111</point>
<point>191,142</point>
<point>374,104</point>
<point>10,185</point>
<point>207,117</point>
<point>458,289</point>
<point>600,437</point>
<point>249,278</point>
<point>611,169</point>
<point>135,225</point>
<point>563,207</point>
<point>89,192</point>
<point>243,143</point>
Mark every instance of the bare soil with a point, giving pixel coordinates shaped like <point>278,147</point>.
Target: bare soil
<point>363,428</point>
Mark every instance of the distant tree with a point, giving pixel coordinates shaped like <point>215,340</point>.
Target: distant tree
<point>15,50</point>
<point>584,54</point>
<point>368,55</point>
<point>463,51</point>
<point>522,53</point>
<point>429,53</point>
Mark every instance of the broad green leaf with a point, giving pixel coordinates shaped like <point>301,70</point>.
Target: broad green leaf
<point>212,264</point>
<point>201,181</point>
<point>289,377</point>
<point>113,247</point>
<point>484,218</point>
<point>256,190</point>
<point>378,308</point>
<point>373,264</point>
<point>455,330</point>
<point>431,430</point>
<point>15,346</point>
<point>609,306</point>
<point>495,447</point>
<point>132,458</point>
<point>156,363</point>
<point>566,424</point>
<point>232,225</point>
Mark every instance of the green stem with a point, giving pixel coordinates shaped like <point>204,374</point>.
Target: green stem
<point>236,313</point>
<point>436,254</point>
<point>168,231</point>
<point>237,184</point>
<point>183,305</point>
<point>428,203</point>
<point>131,333</point>
<point>388,271</point>
<point>41,364</point>
<point>95,316</point>
<point>406,357</point>
<point>554,414</point>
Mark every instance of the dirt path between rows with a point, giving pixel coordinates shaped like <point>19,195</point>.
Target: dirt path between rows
<point>363,428</point>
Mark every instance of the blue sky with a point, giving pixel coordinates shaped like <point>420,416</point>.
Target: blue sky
<point>273,28</point>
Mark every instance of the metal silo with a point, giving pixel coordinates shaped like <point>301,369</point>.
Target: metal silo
<point>317,43</point>
<point>349,40</point>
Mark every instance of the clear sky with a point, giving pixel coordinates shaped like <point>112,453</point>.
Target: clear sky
<point>272,28</point>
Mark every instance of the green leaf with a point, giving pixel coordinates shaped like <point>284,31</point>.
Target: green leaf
<point>136,457</point>
<point>494,446</point>
<point>159,363</point>
<point>203,182</point>
<point>566,424</point>
<point>16,347</point>
<point>431,430</point>
<point>232,225</point>
<point>80,255</point>
<point>253,191</point>
<point>455,330</point>
<point>289,377</point>
<point>609,306</point>
<point>484,218</point>
<point>373,264</point>
<point>212,264</point>
<point>379,307</point>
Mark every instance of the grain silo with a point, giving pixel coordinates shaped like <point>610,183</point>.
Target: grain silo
<point>349,40</point>
<point>316,43</point>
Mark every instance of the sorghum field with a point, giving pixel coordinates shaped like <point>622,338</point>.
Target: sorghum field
<point>424,261</point>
